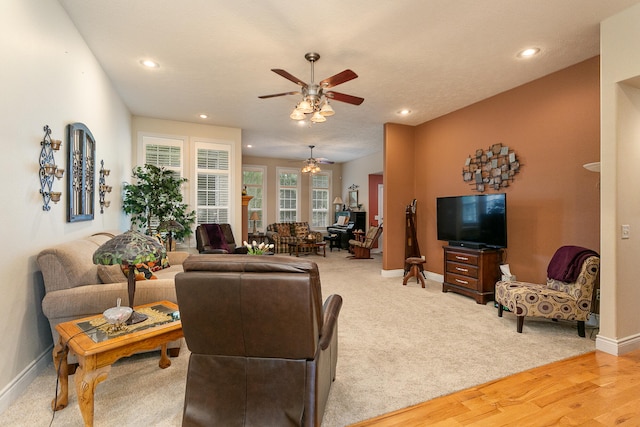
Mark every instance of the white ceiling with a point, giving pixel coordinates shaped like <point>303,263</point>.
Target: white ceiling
<point>431,56</point>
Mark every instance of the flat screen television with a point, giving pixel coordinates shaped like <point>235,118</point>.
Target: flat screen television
<point>476,221</point>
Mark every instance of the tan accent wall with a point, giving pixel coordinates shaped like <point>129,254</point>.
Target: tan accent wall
<point>399,190</point>
<point>553,124</point>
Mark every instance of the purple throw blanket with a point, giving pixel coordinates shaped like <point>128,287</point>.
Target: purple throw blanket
<point>216,236</point>
<point>566,263</point>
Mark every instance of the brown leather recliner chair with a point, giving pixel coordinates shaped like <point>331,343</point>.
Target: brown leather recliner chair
<point>226,243</point>
<point>264,347</point>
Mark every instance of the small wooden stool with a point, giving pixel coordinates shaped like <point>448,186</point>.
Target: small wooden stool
<point>414,271</point>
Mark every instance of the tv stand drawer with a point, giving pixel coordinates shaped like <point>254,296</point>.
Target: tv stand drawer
<point>462,257</point>
<point>462,269</point>
<point>464,281</point>
<point>471,272</point>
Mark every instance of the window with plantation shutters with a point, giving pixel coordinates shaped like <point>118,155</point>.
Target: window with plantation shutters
<point>164,153</point>
<point>320,187</point>
<point>212,183</point>
<point>254,180</point>
<point>288,191</point>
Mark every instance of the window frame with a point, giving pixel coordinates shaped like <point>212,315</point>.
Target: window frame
<point>251,208</point>
<point>328,220</point>
<point>197,144</point>
<point>298,188</point>
<point>147,139</point>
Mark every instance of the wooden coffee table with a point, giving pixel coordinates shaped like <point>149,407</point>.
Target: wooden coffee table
<point>97,349</point>
<point>308,247</point>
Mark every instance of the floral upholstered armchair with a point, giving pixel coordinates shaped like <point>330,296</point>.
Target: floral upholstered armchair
<point>567,295</point>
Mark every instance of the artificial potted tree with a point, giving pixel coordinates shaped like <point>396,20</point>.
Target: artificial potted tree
<point>156,197</point>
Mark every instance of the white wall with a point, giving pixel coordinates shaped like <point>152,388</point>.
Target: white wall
<point>49,77</point>
<point>620,200</point>
<point>357,172</point>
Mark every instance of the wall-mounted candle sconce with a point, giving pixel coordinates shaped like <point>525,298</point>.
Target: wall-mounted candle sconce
<point>103,188</point>
<point>48,169</point>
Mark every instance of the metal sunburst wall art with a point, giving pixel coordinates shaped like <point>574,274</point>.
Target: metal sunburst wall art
<point>493,168</point>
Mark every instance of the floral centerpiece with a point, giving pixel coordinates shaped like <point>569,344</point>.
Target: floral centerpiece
<point>258,249</point>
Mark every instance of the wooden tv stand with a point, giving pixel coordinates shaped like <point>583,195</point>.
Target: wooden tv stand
<point>471,272</point>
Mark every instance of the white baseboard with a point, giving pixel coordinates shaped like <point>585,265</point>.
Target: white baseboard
<point>392,273</point>
<point>435,276</point>
<point>19,385</point>
<point>400,273</point>
<point>618,347</point>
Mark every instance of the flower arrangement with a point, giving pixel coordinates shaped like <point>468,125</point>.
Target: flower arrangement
<point>258,249</point>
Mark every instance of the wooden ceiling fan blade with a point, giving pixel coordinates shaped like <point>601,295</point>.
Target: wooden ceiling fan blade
<point>278,94</point>
<point>324,161</point>
<point>289,76</point>
<point>343,97</point>
<point>339,78</point>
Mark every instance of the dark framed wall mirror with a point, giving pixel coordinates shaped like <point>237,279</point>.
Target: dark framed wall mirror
<point>81,181</point>
<point>353,199</point>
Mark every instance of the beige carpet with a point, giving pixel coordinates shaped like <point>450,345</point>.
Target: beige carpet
<point>397,346</point>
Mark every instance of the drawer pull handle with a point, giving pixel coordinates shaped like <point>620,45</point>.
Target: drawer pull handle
<point>462,281</point>
<point>462,258</point>
<point>462,269</point>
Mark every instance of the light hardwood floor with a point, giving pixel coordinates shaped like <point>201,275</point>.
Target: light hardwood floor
<point>594,389</point>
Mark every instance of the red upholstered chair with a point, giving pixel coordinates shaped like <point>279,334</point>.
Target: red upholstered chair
<point>264,345</point>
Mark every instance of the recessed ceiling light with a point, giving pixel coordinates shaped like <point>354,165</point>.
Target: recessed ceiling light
<point>249,146</point>
<point>529,52</point>
<point>149,63</point>
<point>404,112</point>
<point>203,116</point>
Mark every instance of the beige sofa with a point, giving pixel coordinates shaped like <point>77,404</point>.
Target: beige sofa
<point>75,287</point>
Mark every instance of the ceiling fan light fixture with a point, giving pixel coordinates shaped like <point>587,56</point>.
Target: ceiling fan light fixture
<point>318,118</point>
<point>326,109</point>
<point>297,114</point>
<point>305,107</point>
<point>310,167</point>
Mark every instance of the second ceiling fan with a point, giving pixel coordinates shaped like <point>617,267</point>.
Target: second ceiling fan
<point>315,97</point>
<point>311,164</point>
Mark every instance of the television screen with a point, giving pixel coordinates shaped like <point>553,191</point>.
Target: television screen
<point>476,220</point>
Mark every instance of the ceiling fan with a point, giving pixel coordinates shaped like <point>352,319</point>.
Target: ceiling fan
<point>311,164</point>
<point>315,97</point>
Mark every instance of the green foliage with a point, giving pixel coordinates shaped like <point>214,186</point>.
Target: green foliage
<point>155,197</point>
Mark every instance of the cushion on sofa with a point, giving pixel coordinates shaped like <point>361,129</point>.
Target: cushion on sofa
<point>283,229</point>
<point>111,274</point>
<point>142,271</point>
<point>302,231</point>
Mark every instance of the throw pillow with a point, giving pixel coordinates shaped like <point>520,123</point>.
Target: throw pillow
<point>142,271</point>
<point>111,273</point>
<point>302,231</point>
<point>158,265</point>
<point>284,230</point>
<point>216,237</point>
